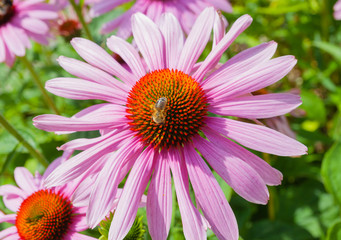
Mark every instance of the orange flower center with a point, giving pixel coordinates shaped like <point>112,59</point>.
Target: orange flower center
<point>44,215</point>
<point>166,108</point>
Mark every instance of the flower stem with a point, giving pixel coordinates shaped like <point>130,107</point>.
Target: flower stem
<point>17,135</point>
<point>272,193</point>
<point>47,98</point>
<point>78,11</point>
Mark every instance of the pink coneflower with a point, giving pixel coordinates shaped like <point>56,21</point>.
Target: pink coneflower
<point>19,21</point>
<point>337,10</point>
<point>44,213</point>
<point>186,11</point>
<point>157,117</point>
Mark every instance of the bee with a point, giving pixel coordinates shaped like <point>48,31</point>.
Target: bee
<point>5,5</point>
<point>159,115</point>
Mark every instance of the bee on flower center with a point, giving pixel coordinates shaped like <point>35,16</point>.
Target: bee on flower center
<point>159,115</point>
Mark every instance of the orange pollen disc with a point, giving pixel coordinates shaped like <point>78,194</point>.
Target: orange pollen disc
<point>44,215</point>
<point>166,108</point>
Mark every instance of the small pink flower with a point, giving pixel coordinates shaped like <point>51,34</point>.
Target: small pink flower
<point>337,10</point>
<point>19,21</point>
<point>156,117</point>
<point>44,213</point>
<point>186,11</point>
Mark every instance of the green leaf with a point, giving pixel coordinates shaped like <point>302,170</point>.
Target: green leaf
<point>314,106</point>
<point>330,48</point>
<point>334,232</point>
<point>330,171</point>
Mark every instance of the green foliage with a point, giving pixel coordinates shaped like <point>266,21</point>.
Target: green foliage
<point>135,233</point>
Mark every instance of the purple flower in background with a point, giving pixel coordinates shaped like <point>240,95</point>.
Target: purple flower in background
<point>185,11</point>
<point>337,10</point>
<point>19,21</point>
<point>157,116</point>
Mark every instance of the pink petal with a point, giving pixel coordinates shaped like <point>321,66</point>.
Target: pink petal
<point>88,72</point>
<point>257,137</point>
<point>237,28</point>
<point>240,63</point>
<point>220,24</point>
<point>53,123</point>
<point>105,188</point>
<point>12,196</point>
<point>81,89</point>
<point>196,40</point>
<point>256,107</point>
<point>78,236</point>
<point>105,6</point>
<point>98,57</point>
<point>12,37</point>
<point>174,39</point>
<point>8,232</point>
<point>239,175</point>
<point>128,53</point>
<point>149,41</point>
<point>192,221</point>
<point>25,180</point>
<point>2,50</point>
<point>255,79</point>
<point>132,192</point>
<point>210,197</point>
<point>221,5</point>
<point>34,25</point>
<point>270,175</point>
<point>77,165</point>
<point>159,201</point>
<point>10,218</point>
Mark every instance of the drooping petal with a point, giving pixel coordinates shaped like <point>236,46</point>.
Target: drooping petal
<point>82,89</point>
<point>149,41</point>
<point>12,38</point>
<point>12,196</point>
<point>25,180</point>
<point>255,79</point>
<point>270,175</point>
<point>213,57</point>
<point>196,40</point>
<point>257,107</point>
<point>257,137</point>
<point>10,218</point>
<point>88,72</point>
<point>98,57</point>
<point>8,232</point>
<point>239,175</point>
<point>77,165</point>
<point>128,53</point>
<point>174,39</point>
<point>159,201</point>
<point>105,6</point>
<point>34,25</point>
<point>192,221</point>
<point>211,198</point>
<point>131,196</point>
<point>106,184</point>
<point>239,64</point>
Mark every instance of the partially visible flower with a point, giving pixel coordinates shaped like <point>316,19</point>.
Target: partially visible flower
<point>337,10</point>
<point>19,21</point>
<point>45,213</point>
<point>156,117</point>
<point>185,11</point>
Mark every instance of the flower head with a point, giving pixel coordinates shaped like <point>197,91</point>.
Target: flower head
<point>156,117</point>
<point>19,21</point>
<point>44,213</point>
<point>337,10</point>
<point>186,11</point>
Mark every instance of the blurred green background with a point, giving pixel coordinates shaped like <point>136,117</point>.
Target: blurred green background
<point>307,204</point>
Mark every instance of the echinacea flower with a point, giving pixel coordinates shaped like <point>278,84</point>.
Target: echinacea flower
<point>19,21</point>
<point>337,10</point>
<point>186,11</point>
<point>156,118</point>
<point>44,213</point>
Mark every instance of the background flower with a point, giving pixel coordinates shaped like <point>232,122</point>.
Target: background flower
<point>185,11</point>
<point>19,21</point>
<point>337,10</point>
